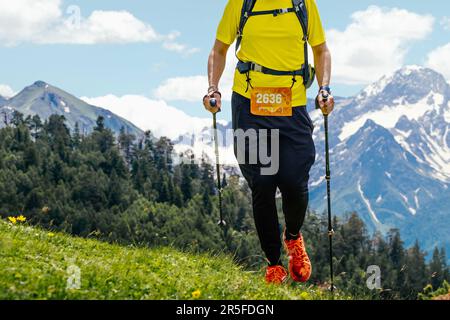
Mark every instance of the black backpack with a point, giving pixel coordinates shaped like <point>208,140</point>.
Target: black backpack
<point>299,8</point>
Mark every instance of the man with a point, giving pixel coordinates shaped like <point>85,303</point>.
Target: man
<point>269,93</point>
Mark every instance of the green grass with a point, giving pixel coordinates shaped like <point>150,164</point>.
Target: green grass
<point>34,264</point>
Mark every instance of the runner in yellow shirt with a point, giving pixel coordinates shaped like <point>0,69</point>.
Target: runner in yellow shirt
<point>269,93</point>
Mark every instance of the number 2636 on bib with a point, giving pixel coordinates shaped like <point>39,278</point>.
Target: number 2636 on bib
<point>272,102</point>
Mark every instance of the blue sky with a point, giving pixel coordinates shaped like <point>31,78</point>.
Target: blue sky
<point>139,68</point>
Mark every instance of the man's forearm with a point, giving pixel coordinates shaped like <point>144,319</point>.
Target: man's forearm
<point>216,66</point>
<point>322,60</point>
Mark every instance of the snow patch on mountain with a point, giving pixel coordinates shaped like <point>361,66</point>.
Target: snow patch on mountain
<point>438,158</point>
<point>401,137</point>
<point>64,105</point>
<point>447,113</point>
<point>379,199</point>
<point>388,116</point>
<point>376,88</point>
<point>416,198</point>
<point>368,205</point>
<point>318,182</point>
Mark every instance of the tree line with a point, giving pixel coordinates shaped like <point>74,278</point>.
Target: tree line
<point>136,191</point>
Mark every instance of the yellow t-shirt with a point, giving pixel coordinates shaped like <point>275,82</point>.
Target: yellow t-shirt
<point>273,42</point>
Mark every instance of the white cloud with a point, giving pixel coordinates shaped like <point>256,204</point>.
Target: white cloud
<point>375,43</point>
<point>180,48</point>
<point>6,91</point>
<point>23,19</point>
<point>44,22</point>
<point>438,60</point>
<point>189,89</point>
<point>148,114</point>
<point>102,27</point>
<point>193,88</point>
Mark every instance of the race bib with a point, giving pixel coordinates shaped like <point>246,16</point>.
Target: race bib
<point>272,102</point>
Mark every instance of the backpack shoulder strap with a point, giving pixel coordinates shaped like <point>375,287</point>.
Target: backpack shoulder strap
<point>302,14</point>
<point>247,8</point>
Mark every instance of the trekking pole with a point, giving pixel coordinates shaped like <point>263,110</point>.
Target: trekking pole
<point>221,223</point>
<point>328,178</point>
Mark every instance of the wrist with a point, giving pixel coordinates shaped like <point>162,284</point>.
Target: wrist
<point>213,88</point>
<point>325,88</point>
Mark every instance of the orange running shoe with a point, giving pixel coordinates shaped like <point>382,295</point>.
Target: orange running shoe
<point>299,263</point>
<point>276,274</point>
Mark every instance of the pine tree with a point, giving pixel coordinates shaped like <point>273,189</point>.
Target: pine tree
<point>126,144</point>
<point>444,265</point>
<point>100,124</point>
<point>186,182</point>
<point>115,190</point>
<point>103,137</point>
<point>417,273</point>
<point>36,126</point>
<point>207,203</point>
<point>17,118</point>
<point>437,272</point>
<point>207,176</point>
<point>76,139</point>
<point>59,135</point>
<point>397,259</point>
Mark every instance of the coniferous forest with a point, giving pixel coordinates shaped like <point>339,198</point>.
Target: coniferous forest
<point>135,191</point>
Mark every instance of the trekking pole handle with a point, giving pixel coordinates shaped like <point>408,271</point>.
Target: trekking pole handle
<point>213,102</point>
<point>325,96</point>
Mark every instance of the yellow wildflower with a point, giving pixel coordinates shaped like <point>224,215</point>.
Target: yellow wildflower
<point>50,234</point>
<point>21,218</point>
<point>196,294</point>
<point>305,296</point>
<point>13,220</point>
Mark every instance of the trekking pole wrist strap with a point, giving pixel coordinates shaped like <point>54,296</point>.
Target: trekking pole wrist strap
<point>211,94</point>
<point>325,88</point>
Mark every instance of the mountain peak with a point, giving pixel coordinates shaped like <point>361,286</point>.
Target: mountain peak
<point>407,70</point>
<point>417,73</point>
<point>409,84</point>
<point>40,83</point>
<point>44,100</point>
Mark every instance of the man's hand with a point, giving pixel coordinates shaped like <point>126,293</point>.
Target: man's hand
<point>213,95</point>
<point>325,102</point>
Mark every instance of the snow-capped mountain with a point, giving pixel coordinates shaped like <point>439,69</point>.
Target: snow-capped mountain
<point>390,153</point>
<point>391,156</point>
<point>44,100</point>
